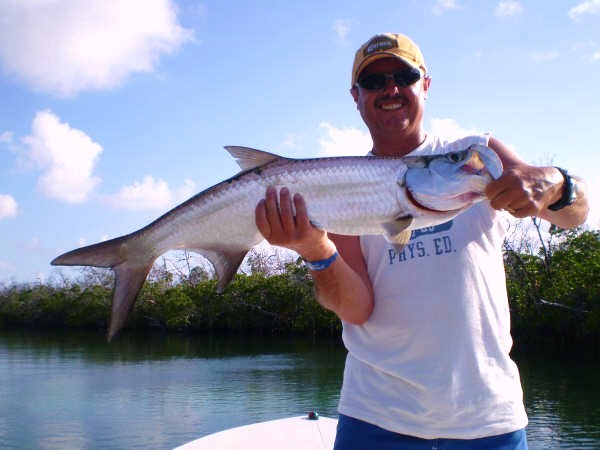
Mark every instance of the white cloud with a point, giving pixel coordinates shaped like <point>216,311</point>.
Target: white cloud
<point>66,156</point>
<point>542,57</point>
<point>585,8</point>
<point>151,194</point>
<point>449,129</point>
<point>8,207</point>
<point>508,8</point>
<point>63,47</point>
<point>441,6</point>
<point>342,27</point>
<point>589,49</point>
<point>344,141</point>
<point>141,195</point>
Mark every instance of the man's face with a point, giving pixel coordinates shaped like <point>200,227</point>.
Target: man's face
<point>393,111</point>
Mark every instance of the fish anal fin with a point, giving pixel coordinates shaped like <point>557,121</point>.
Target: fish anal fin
<point>128,283</point>
<point>397,232</point>
<point>250,158</point>
<point>226,263</point>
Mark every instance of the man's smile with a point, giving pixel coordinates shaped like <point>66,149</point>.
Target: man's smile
<point>391,104</point>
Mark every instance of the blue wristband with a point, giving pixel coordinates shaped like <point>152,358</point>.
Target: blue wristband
<point>321,264</point>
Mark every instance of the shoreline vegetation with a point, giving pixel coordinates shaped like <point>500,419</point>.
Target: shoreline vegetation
<point>553,288</point>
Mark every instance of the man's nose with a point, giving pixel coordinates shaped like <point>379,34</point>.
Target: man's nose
<point>390,85</point>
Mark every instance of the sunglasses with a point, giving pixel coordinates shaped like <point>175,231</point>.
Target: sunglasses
<point>378,81</point>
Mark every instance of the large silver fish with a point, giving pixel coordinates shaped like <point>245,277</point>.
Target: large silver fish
<point>346,195</point>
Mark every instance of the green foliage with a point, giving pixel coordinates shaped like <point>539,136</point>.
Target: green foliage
<point>43,305</point>
<point>554,294</point>
<point>169,308</point>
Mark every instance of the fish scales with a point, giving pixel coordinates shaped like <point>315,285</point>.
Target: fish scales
<point>226,216</point>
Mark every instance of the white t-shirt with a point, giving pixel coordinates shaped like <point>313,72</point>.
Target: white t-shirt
<point>433,359</point>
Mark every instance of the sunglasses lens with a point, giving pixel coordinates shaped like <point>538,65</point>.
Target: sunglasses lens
<point>406,77</point>
<point>378,81</point>
<point>373,81</point>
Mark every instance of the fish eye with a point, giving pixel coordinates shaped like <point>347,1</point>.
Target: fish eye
<point>456,157</point>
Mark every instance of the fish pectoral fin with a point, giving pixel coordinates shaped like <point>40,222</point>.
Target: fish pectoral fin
<point>397,232</point>
<point>225,263</point>
<point>128,283</point>
<point>250,158</point>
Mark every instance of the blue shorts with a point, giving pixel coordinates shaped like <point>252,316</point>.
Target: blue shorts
<point>354,434</point>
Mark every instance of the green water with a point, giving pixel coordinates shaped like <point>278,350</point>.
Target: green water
<point>73,390</point>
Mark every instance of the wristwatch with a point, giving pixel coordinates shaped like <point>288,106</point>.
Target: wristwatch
<point>569,193</point>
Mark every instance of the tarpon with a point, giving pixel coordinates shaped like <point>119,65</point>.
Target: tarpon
<point>344,195</point>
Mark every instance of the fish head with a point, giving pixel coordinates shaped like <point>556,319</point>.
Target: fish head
<point>451,181</point>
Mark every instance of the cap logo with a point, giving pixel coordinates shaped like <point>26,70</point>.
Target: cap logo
<point>379,44</point>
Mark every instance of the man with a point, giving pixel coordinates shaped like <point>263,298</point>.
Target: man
<point>427,329</point>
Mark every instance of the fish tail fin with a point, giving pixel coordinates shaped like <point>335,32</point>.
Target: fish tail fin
<point>104,254</point>
<point>129,279</point>
<point>129,266</point>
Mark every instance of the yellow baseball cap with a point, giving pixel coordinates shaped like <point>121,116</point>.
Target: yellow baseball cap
<point>386,45</point>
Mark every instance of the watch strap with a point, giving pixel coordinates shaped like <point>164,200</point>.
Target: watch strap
<point>569,193</point>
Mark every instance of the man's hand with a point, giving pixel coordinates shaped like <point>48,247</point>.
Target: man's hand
<point>280,226</point>
<point>525,190</point>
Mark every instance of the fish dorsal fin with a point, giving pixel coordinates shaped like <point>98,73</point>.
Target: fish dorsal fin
<point>397,232</point>
<point>249,158</point>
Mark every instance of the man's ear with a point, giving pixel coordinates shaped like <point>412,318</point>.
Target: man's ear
<point>426,83</point>
<point>354,93</point>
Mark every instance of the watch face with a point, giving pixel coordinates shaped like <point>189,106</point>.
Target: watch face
<point>573,195</point>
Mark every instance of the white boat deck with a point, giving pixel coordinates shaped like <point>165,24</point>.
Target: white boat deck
<point>292,433</point>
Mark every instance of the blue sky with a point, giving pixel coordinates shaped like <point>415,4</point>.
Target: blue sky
<point>111,113</point>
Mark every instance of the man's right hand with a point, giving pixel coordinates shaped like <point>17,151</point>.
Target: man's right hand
<point>280,226</point>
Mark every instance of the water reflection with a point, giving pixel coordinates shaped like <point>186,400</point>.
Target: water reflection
<point>562,399</point>
<point>74,390</point>
<point>77,391</point>
<point>135,347</point>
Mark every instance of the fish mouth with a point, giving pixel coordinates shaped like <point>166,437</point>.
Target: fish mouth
<point>466,198</point>
<point>414,201</point>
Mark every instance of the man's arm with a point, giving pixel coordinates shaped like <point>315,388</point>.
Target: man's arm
<point>347,289</point>
<point>343,287</point>
<point>527,190</point>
